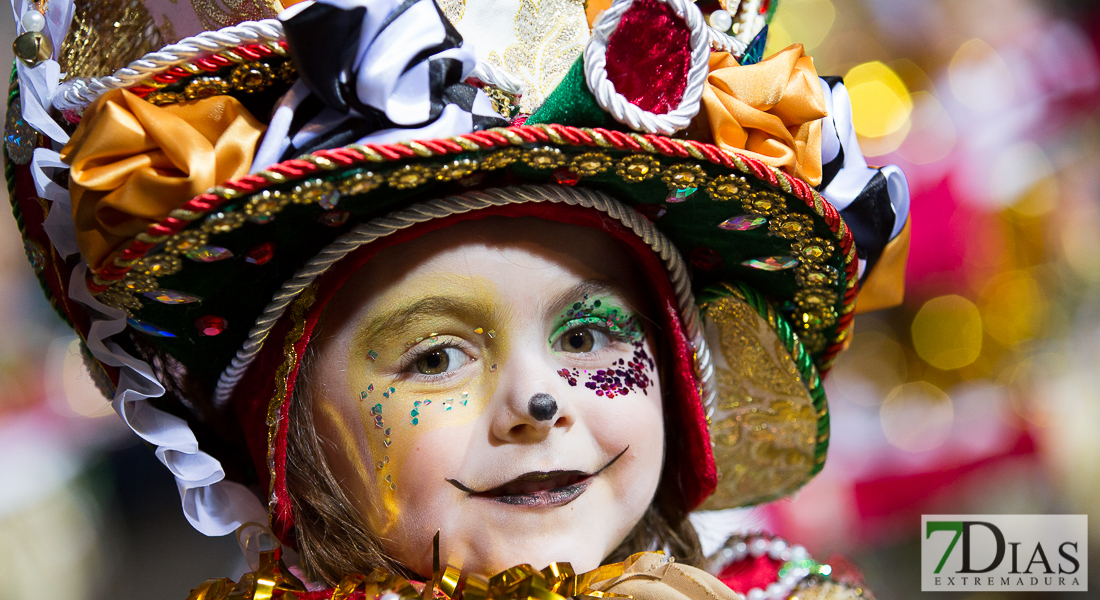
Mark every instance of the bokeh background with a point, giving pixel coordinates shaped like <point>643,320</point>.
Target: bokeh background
<point>981,394</point>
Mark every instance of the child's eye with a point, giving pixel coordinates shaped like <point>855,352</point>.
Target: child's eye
<point>582,340</point>
<point>439,360</point>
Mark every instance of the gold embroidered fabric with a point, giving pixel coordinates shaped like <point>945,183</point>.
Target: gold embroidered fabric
<point>764,425</point>
<point>216,14</point>
<point>107,35</point>
<point>452,9</point>
<point>552,35</point>
<point>653,576</point>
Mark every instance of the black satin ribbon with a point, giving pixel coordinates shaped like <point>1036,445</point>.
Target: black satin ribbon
<point>871,217</point>
<point>324,41</point>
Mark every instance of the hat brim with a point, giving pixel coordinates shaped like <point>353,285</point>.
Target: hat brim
<point>231,248</point>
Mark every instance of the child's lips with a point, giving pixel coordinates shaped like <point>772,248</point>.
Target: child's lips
<point>540,488</point>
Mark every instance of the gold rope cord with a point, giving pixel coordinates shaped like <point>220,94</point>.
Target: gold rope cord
<point>764,426</point>
<point>107,35</point>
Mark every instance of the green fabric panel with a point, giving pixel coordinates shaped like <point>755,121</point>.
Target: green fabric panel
<point>572,103</point>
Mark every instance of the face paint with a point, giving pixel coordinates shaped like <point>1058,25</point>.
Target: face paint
<point>467,431</point>
<point>618,380</point>
<point>622,376</point>
<point>617,322</point>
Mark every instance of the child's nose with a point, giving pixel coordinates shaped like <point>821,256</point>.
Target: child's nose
<point>529,409</point>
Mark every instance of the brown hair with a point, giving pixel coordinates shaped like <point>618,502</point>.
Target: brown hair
<point>333,538</point>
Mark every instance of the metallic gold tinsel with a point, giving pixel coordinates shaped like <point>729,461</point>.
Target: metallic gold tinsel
<point>107,35</point>
<point>523,582</point>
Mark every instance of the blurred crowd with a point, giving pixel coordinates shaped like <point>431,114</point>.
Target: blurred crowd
<point>981,394</point>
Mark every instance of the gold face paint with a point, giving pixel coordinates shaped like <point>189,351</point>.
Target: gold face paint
<point>398,401</point>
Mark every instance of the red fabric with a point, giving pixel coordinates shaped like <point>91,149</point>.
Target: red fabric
<point>697,472</point>
<point>749,573</point>
<point>906,494</point>
<point>648,56</point>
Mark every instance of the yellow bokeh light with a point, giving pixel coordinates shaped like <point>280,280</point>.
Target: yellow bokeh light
<point>1013,305</point>
<point>947,332</point>
<point>803,21</point>
<point>881,104</point>
<point>916,416</point>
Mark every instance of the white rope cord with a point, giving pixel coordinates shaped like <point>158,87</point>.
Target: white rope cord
<point>78,93</point>
<point>595,70</point>
<point>370,231</point>
<point>720,42</point>
<point>495,75</point>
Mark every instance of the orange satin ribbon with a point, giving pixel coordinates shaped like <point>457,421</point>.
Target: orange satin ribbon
<point>770,111</point>
<point>133,163</point>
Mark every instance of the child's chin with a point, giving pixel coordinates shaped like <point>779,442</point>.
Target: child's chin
<point>491,557</point>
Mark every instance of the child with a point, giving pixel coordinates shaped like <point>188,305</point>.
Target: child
<point>449,308</point>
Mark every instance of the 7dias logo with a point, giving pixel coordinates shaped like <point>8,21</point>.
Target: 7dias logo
<point>1013,553</point>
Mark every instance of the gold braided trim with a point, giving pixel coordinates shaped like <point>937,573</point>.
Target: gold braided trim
<point>298,319</point>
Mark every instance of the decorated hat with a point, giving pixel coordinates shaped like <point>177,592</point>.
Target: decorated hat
<point>194,180</point>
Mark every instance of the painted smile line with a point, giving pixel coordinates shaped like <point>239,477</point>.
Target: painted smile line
<point>540,488</point>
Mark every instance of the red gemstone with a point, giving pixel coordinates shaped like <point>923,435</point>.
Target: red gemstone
<point>566,177</point>
<point>651,211</point>
<point>261,254</point>
<point>764,6</point>
<point>211,325</point>
<point>706,259</point>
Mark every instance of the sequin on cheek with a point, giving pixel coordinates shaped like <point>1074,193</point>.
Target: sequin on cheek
<point>620,379</point>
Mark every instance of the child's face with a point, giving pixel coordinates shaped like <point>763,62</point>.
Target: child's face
<point>494,381</point>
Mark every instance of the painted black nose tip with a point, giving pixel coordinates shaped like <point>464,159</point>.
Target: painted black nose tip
<point>542,407</point>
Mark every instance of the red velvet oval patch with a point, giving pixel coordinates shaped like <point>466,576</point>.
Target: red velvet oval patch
<point>649,55</point>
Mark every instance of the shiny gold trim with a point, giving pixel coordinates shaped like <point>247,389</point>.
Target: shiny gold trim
<point>298,327</point>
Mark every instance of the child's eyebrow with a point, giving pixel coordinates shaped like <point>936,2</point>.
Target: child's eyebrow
<point>406,316</point>
<point>588,287</point>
